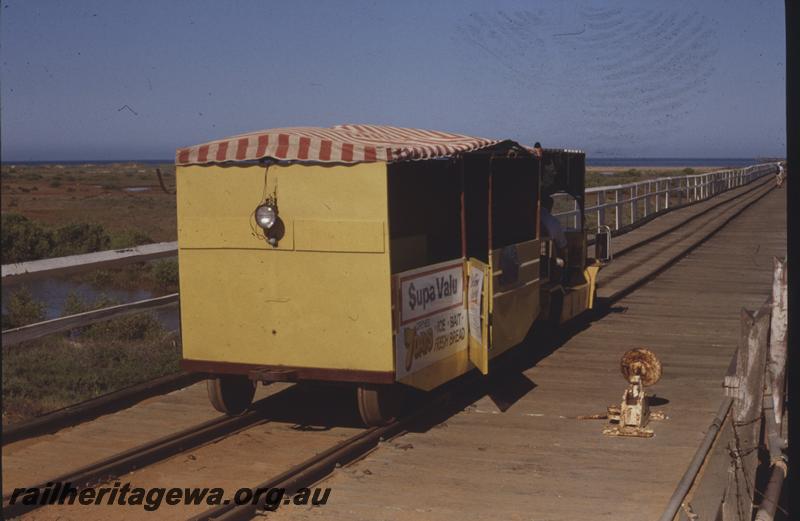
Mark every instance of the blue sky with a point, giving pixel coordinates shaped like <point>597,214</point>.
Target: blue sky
<point>136,80</point>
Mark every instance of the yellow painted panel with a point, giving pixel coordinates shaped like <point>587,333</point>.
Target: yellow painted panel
<point>527,272</point>
<point>345,236</point>
<point>590,273</point>
<point>513,315</point>
<point>287,308</point>
<point>244,301</point>
<point>228,232</point>
<point>479,341</point>
<point>515,306</point>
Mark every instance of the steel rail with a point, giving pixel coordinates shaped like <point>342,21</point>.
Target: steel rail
<point>152,452</point>
<point>104,404</point>
<point>312,469</point>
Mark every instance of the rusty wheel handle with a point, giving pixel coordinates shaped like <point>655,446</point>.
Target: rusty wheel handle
<point>641,362</point>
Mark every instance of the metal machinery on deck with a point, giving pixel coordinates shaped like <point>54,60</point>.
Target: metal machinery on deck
<point>378,257</point>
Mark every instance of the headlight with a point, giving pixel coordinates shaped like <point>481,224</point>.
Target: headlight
<point>265,216</point>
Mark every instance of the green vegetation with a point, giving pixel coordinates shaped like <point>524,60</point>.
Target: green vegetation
<point>22,309</point>
<point>50,211</point>
<point>60,370</point>
<point>142,326</point>
<point>23,239</point>
<point>165,273</point>
<point>45,375</point>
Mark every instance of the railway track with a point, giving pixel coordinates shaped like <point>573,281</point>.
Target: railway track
<point>671,245</point>
<point>91,409</point>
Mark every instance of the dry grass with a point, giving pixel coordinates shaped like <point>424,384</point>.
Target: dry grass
<point>57,194</point>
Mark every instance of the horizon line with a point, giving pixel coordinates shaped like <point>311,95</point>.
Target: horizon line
<point>172,160</point>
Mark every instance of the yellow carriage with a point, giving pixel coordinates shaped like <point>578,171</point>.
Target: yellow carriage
<point>379,257</point>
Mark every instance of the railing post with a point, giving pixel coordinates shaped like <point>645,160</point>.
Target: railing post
<point>776,358</point>
<point>647,198</point>
<point>657,195</point>
<point>634,202</point>
<point>747,407</point>
<point>575,215</point>
<point>601,208</point>
<point>616,209</point>
<point>666,195</point>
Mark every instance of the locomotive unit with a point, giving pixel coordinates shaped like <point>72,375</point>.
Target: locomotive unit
<point>377,257</point>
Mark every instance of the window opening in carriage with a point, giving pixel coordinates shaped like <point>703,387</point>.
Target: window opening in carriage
<point>515,196</point>
<point>475,169</point>
<point>424,213</point>
<point>562,175</point>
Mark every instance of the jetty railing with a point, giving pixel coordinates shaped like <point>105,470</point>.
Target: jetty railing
<point>755,385</point>
<point>622,206</point>
<point>72,264</point>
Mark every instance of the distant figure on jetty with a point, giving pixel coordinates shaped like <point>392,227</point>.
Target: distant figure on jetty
<point>537,150</point>
<point>781,176</point>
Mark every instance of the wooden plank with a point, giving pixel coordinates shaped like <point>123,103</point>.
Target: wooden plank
<point>37,269</point>
<point>56,325</point>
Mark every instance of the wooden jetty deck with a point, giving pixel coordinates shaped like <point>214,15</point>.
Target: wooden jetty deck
<point>530,460</point>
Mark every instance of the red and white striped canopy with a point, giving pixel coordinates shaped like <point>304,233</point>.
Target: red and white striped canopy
<point>339,144</point>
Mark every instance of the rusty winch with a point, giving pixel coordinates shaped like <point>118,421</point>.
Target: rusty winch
<point>641,368</point>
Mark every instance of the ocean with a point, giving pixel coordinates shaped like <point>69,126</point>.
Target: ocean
<point>672,161</point>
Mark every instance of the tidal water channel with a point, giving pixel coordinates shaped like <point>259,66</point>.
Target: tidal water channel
<point>54,291</point>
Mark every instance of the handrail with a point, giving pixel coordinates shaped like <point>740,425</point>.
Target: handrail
<point>26,271</point>
<point>640,200</point>
<point>87,261</point>
<point>57,325</point>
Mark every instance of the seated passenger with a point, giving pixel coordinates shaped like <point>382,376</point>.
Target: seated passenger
<point>552,229</point>
<point>537,150</point>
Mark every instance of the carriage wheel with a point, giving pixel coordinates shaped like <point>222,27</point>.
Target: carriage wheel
<point>231,393</point>
<point>378,405</point>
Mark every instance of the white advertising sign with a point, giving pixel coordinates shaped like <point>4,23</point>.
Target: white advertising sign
<point>474,303</point>
<point>433,316</point>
